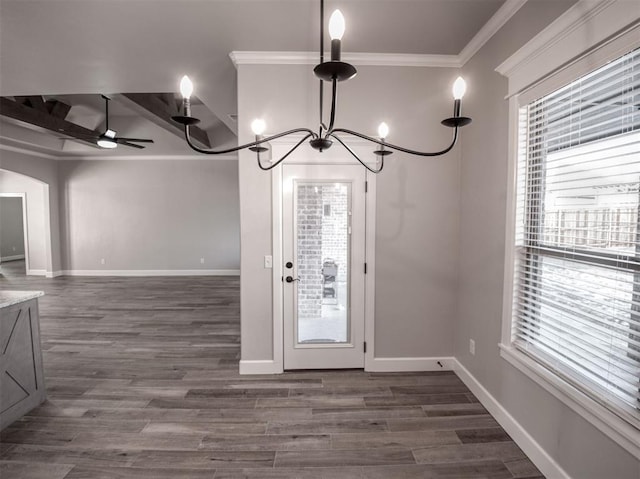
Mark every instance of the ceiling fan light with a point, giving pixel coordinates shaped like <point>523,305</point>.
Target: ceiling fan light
<point>106,143</point>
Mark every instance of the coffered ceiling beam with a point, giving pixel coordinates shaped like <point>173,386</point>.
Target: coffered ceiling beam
<point>48,115</point>
<point>159,108</point>
<point>53,107</point>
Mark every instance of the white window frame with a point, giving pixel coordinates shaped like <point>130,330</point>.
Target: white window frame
<point>587,36</point>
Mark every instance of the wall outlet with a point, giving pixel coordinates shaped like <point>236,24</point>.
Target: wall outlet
<point>102,261</point>
<point>201,260</point>
<point>472,347</point>
<point>268,261</point>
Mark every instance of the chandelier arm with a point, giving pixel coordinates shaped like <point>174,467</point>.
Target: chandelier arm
<point>396,147</point>
<point>194,147</point>
<point>357,158</point>
<point>267,168</point>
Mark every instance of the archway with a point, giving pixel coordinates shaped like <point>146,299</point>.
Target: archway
<point>36,216</point>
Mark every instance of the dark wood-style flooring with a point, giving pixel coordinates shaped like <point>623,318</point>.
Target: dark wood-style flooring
<point>142,382</point>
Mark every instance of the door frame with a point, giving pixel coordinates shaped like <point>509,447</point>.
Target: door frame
<point>25,228</point>
<point>334,156</point>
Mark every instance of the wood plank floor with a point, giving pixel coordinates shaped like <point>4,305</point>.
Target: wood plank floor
<point>142,381</point>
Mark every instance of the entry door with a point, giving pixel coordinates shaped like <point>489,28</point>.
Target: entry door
<point>323,270</point>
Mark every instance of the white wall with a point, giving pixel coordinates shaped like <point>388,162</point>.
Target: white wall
<point>149,215</point>
<point>417,202</point>
<point>37,211</point>
<point>578,447</point>
<point>11,228</point>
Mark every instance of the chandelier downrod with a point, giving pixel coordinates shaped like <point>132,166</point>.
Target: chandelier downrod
<point>334,71</point>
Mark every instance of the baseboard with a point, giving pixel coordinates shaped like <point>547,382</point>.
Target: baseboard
<point>54,274</point>
<point>36,272</point>
<point>148,272</point>
<point>261,366</point>
<point>15,257</point>
<point>381,365</point>
<point>543,461</point>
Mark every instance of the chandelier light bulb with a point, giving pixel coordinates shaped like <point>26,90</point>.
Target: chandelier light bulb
<point>186,87</point>
<point>258,126</point>
<point>459,88</point>
<point>383,130</point>
<point>336,25</point>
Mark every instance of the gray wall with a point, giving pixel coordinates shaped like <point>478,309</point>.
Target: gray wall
<point>136,214</point>
<point>37,227</point>
<point>11,227</point>
<point>577,446</point>
<point>417,202</point>
<point>149,215</point>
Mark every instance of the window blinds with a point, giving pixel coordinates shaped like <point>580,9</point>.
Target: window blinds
<point>577,271</point>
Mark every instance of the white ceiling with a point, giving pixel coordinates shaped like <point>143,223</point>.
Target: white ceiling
<point>74,47</point>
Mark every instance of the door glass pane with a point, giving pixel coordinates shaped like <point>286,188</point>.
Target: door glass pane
<point>323,219</point>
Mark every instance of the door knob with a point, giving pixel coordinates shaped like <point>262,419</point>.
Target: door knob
<point>289,279</point>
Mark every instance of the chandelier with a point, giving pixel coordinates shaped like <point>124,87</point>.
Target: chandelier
<point>333,71</point>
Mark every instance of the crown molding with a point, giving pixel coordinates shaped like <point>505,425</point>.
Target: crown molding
<point>34,150</point>
<point>585,25</point>
<point>24,150</point>
<point>558,30</point>
<point>360,59</point>
<point>495,23</point>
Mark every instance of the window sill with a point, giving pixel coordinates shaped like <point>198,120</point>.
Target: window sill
<point>617,429</point>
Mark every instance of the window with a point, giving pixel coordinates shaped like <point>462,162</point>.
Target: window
<point>576,296</point>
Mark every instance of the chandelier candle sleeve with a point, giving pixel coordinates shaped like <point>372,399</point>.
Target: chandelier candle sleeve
<point>336,30</point>
<point>186,89</point>
<point>459,89</point>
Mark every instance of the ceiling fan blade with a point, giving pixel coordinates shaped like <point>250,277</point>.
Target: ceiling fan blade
<point>126,143</point>
<point>137,140</point>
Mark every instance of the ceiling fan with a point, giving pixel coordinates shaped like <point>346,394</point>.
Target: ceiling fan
<point>108,139</point>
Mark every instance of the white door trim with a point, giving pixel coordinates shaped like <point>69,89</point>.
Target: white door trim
<point>335,155</point>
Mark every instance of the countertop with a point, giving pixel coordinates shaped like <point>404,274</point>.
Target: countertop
<point>8,298</point>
